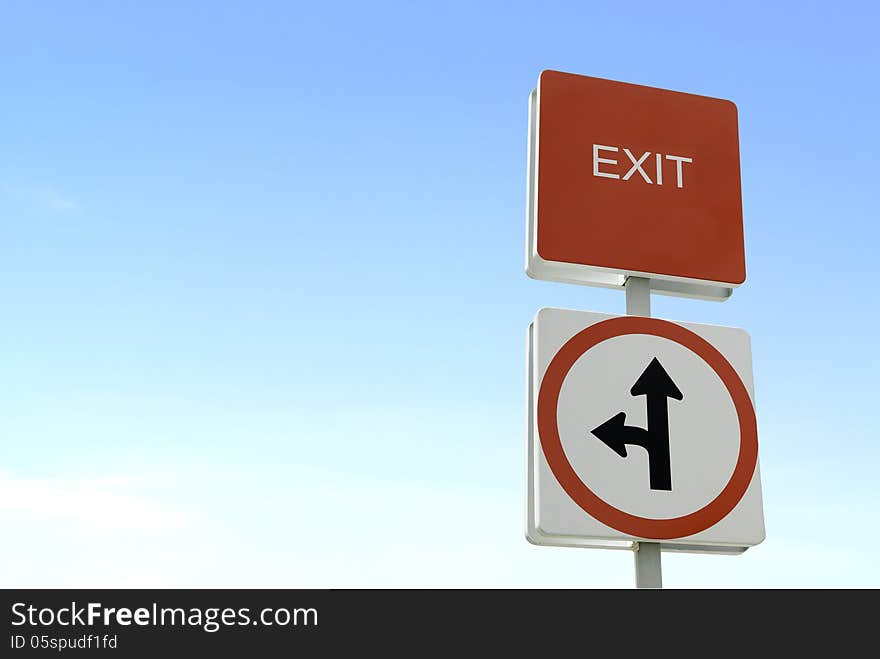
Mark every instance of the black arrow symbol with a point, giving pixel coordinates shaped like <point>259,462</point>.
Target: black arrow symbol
<point>656,385</point>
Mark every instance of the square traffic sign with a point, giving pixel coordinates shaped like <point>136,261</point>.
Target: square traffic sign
<point>633,180</point>
<point>641,429</point>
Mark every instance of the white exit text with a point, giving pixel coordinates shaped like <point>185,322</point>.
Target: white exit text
<point>636,165</point>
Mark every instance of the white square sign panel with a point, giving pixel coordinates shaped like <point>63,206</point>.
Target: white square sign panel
<point>641,429</point>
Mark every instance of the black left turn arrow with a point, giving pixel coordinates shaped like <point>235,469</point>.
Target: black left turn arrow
<point>656,385</point>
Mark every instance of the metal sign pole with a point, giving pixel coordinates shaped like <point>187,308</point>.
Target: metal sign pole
<point>647,554</point>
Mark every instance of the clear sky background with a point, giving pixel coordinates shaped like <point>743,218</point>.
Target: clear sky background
<point>264,306</point>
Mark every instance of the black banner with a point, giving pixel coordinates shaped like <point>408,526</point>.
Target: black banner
<point>170,623</point>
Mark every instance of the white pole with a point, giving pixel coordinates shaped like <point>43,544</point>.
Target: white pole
<point>649,573</point>
<point>647,554</point>
<point>638,296</point>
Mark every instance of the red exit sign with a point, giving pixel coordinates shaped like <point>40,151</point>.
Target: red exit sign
<point>633,180</point>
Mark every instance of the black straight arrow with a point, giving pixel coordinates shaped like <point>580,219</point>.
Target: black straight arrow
<point>656,385</point>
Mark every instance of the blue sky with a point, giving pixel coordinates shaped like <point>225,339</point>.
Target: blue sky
<point>264,306</point>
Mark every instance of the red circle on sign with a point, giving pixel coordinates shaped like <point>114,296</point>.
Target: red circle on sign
<point>583,496</point>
